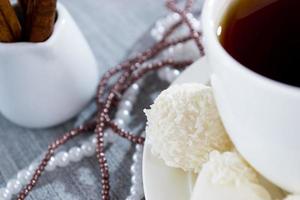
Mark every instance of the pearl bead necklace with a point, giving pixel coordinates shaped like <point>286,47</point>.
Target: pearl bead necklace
<point>88,147</point>
<point>136,190</point>
<point>164,24</point>
<point>75,154</point>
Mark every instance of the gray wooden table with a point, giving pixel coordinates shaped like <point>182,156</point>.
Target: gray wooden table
<point>111,28</point>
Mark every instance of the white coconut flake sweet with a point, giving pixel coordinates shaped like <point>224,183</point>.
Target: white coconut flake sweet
<point>226,176</point>
<point>184,126</point>
<point>293,197</point>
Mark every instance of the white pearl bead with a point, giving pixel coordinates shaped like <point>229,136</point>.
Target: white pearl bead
<point>88,149</point>
<point>135,157</point>
<point>135,87</point>
<point>33,167</point>
<point>75,154</point>
<point>166,22</point>
<point>93,139</point>
<point>139,147</point>
<point>123,114</point>
<point>14,186</point>
<point>120,122</point>
<point>153,33</point>
<point>62,159</point>
<point>176,72</point>
<point>17,187</point>
<point>171,77</point>
<point>125,105</point>
<point>132,90</point>
<point>5,194</point>
<point>176,16</point>
<point>110,136</point>
<point>21,176</point>
<point>162,74</point>
<point>159,37</point>
<point>160,29</point>
<point>93,144</point>
<point>196,25</point>
<point>28,175</point>
<point>156,35</point>
<point>51,164</point>
<point>130,97</point>
<point>132,191</point>
<point>133,168</point>
<point>169,20</point>
<point>158,22</point>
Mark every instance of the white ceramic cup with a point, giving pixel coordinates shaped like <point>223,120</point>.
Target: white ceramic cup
<point>44,84</point>
<point>260,114</point>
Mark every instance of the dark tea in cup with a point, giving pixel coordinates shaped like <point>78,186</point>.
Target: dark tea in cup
<point>264,35</point>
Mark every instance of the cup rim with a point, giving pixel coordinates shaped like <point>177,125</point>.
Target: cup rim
<point>210,36</point>
<point>61,13</point>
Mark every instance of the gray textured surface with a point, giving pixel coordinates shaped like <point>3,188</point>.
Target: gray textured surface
<point>111,28</point>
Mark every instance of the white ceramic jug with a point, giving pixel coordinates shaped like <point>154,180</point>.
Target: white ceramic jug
<point>44,84</point>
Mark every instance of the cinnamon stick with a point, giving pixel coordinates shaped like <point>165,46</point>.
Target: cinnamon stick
<point>10,28</point>
<point>39,19</point>
<point>23,4</point>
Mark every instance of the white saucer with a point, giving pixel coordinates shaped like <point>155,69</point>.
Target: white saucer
<point>160,181</point>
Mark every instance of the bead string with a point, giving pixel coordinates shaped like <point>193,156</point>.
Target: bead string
<point>136,190</point>
<point>88,147</point>
<point>188,7</point>
<point>103,121</point>
<point>51,150</point>
<point>172,29</point>
<point>105,104</point>
<point>171,4</point>
<point>76,153</point>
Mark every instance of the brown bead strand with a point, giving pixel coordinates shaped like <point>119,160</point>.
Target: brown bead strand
<point>187,8</point>
<point>105,110</point>
<point>140,58</point>
<point>101,126</point>
<point>51,149</point>
<point>156,66</point>
<point>171,29</point>
<point>125,134</point>
<point>103,123</point>
<point>132,70</point>
<point>139,74</point>
<point>108,75</point>
<point>171,4</point>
